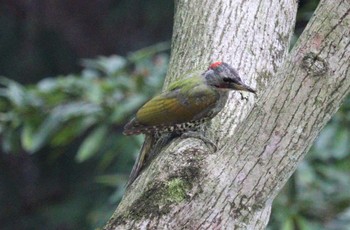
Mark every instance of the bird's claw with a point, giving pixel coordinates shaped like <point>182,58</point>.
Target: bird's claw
<point>243,98</point>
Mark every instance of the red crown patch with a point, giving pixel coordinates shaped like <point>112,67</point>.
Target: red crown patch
<point>215,65</point>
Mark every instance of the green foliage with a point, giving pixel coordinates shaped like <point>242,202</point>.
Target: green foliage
<point>78,119</point>
<point>57,110</point>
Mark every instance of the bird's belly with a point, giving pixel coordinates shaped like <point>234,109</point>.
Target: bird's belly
<point>182,127</point>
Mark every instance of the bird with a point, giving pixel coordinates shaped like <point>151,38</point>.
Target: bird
<point>181,108</point>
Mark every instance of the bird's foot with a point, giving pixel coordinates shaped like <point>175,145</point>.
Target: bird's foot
<point>243,98</point>
<point>192,134</point>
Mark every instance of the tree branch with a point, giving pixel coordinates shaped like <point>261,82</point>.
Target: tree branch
<point>261,141</point>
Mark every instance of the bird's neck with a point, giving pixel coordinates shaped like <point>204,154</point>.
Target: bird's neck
<point>223,96</point>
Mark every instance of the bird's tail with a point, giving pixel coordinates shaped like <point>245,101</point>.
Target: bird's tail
<point>141,158</point>
<point>152,145</point>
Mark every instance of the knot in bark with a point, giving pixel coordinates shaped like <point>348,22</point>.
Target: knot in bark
<point>314,64</point>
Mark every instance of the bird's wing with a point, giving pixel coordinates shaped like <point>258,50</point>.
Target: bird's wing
<point>177,106</point>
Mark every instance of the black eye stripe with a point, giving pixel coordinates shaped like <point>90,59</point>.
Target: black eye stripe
<point>228,79</point>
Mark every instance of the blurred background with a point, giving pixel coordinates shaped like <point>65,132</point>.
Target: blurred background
<point>73,72</point>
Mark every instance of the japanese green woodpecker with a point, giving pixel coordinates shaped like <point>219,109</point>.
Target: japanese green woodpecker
<point>183,106</point>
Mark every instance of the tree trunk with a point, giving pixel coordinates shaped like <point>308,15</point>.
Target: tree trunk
<point>260,141</point>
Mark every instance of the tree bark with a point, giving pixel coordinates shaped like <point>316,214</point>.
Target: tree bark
<point>260,142</point>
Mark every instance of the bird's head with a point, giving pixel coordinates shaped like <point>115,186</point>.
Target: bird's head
<point>222,75</point>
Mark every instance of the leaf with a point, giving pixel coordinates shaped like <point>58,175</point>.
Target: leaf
<point>56,119</point>
<point>72,129</point>
<point>288,224</point>
<point>304,224</point>
<point>14,92</point>
<point>95,94</point>
<point>112,180</point>
<point>47,84</point>
<point>27,137</point>
<point>91,144</point>
<point>41,136</point>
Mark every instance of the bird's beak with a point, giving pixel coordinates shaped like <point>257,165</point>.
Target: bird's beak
<point>244,87</point>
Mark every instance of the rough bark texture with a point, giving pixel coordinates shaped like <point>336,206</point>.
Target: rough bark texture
<point>260,142</point>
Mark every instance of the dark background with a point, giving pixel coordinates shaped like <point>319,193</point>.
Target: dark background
<point>49,181</point>
<point>45,38</point>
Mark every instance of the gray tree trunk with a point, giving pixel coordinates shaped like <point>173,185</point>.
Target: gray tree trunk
<point>260,142</point>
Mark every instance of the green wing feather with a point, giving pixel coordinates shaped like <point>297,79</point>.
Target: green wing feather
<point>185,100</point>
